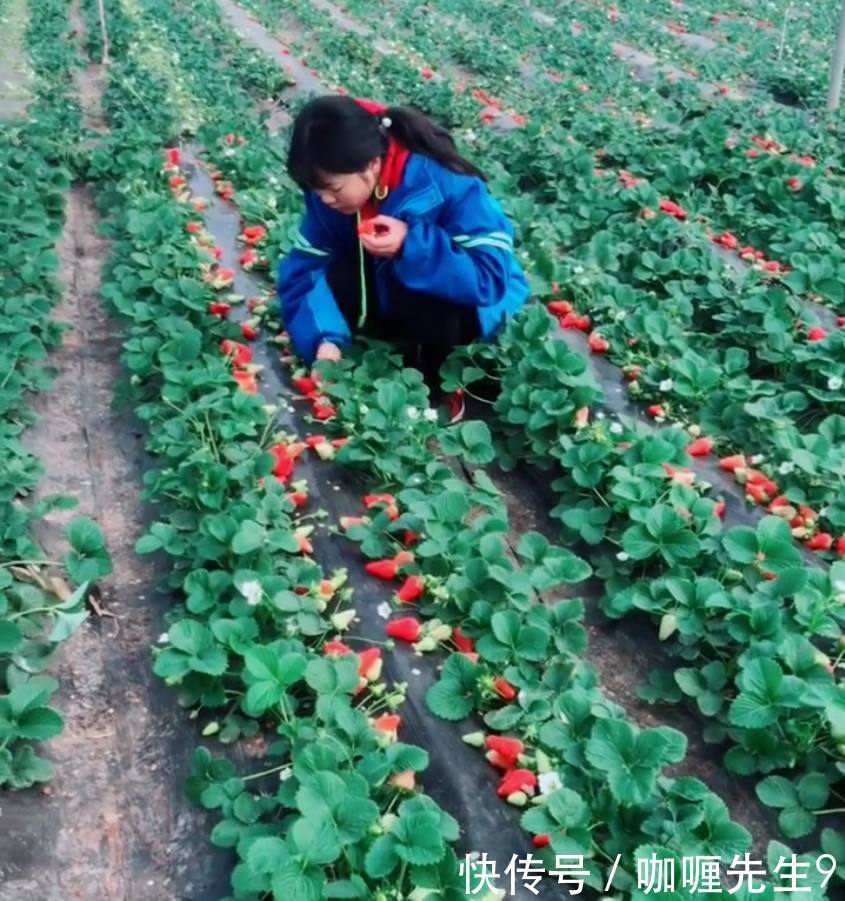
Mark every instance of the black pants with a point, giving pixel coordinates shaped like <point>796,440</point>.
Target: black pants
<point>428,328</point>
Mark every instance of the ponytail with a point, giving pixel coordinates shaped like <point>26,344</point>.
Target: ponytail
<point>420,134</point>
<point>337,136</point>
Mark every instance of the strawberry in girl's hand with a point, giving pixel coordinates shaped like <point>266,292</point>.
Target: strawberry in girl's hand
<point>371,227</point>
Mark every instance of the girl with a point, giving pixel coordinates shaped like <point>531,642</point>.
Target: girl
<point>400,238</point>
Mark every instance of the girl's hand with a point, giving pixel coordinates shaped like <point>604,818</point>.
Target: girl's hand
<point>388,244</point>
<point>328,351</point>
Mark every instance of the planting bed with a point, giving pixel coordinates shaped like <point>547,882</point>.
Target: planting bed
<point>268,633</point>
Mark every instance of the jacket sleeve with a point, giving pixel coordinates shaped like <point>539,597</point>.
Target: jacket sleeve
<point>308,308</point>
<point>466,257</point>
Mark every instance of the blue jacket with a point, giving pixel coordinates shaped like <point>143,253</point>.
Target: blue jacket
<point>459,247</point>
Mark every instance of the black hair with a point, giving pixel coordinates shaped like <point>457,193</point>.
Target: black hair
<point>335,136</point>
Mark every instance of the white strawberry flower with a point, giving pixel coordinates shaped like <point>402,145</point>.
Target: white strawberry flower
<point>384,610</point>
<point>430,415</point>
<point>549,782</point>
<point>616,428</point>
<point>252,591</point>
<point>622,556</point>
<point>786,468</point>
<point>666,385</point>
<point>163,638</point>
<point>412,413</point>
<point>834,383</point>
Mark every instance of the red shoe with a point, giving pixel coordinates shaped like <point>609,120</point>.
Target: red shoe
<point>456,406</point>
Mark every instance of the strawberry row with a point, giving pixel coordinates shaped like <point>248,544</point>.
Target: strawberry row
<point>250,641</point>
<point>38,609</point>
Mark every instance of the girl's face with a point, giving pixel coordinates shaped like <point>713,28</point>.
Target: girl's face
<point>348,193</point>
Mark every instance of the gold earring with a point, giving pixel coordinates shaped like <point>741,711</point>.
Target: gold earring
<point>381,192</point>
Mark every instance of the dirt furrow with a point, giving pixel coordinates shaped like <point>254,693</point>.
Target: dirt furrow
<point>114,823</point>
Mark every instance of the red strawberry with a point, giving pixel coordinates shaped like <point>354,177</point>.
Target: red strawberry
<point>313,440</point>
<point>403,558</point>
<point>657,411</point>
<point>246,381</point>
<point>426,72</point>
<point>249,331</point>
<point>823,541</point>
<point>324,412</point>
<point>542,840</point>
<point>284,466</point>
<point>193,228</point>
<point>299,498</point>
<point>817,334</point>
<point>757,493</point>
<point>411,590</point>
<point>383,569</point>
<point>598,344</point>
<point>794,184</point>
<point>219,309</point>
<point>404,780</point>
<point>336,647</point>
<point>503,688</point>
<point>405,629</point>
<point>410,537</point>
<point>369,663</point>
<point>808,513</point>
<point>840,546</point>
<point>508,748</point>
<point>732,464</point>
<point>174,156</point>
<point>254,234</point>
<point>347,522</point>
<point>515,781</point>
<point>240,353</point>
<point>370,500</point>
<point>462,642</point>
<point>307,387</point>
<point>701,447</point>
<point>719,509</point>
<point>559,307</point>
<point>387,722</point>
<point>672,208</point>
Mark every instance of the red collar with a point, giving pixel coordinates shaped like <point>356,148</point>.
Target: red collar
<point>392,169</point>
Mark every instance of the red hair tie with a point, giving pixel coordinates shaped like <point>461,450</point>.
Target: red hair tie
<point>371,106</point>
